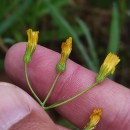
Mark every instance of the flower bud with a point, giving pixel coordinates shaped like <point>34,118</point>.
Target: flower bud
<point>108,67</point>
<point>66,50</point>
<point>31,45</point>
<point>94,119</point>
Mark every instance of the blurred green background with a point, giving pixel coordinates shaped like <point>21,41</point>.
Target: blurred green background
<point>97,27</point>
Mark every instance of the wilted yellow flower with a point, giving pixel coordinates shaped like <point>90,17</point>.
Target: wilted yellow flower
<point>108,67</point>
<point>66,50</point>
<point>94,119</point>
<point>31,45</point>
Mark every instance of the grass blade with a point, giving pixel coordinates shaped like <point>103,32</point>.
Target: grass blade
<point>89,39</point>
<point>114,39</point>
<point>57,4</point>
<point>6,24</point>
<point>9,7</point>
<point>69,29</point>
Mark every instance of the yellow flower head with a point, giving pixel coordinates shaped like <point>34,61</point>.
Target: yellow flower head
<point>94,119</point>
<point>66,50</point>
<point>108,66</point>
<point>31,45</point>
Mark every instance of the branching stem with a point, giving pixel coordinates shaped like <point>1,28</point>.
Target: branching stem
<point>30,87</point>
<point>70,99</point>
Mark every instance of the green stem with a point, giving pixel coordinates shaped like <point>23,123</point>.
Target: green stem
<point>30,87</point>
<point>52,87</point>
<point>87,128</point>
<point>70,99</point>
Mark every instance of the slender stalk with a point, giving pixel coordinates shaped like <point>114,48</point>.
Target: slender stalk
<point>30,87</point>
<point>52,87</point>
<point>70,99</point>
